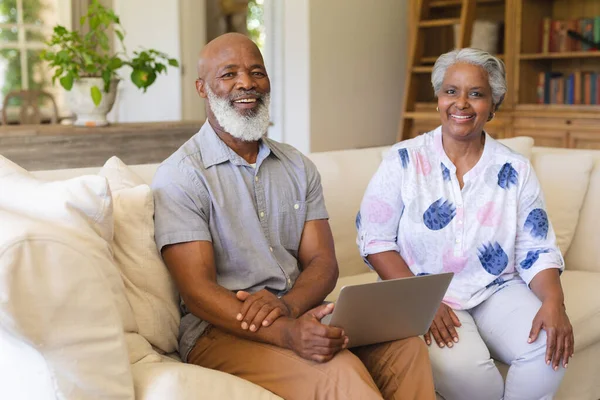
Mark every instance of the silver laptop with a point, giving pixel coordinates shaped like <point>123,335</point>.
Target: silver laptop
<point>388,310</point>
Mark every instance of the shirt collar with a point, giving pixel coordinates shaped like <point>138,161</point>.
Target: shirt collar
<point>487,155</point>
<point>214,151</point>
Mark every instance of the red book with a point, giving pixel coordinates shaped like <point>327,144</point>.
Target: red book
<point>555,28</point>
<point>560,37</point>
<point>560,91</point>
<point>587,88</point>
<point>541,87</point>
<point>572,43</point>
<point>577,98</point>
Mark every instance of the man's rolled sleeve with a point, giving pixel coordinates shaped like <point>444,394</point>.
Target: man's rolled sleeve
<point>535,248</point>
<point>381,209</point>
<point>181,208</point>
<point>315,202</point>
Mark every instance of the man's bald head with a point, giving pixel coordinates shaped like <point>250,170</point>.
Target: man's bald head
<point>222,47</point>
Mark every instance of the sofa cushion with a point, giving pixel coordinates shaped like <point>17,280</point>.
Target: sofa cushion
<point>62,304</point>
<point>148,284</point>
<point>345,176</point>
<point>584,253</point>
<point>174,380</point>
<point>564,179</point>
<point>582,300</point>
<point>81,202</point>
<point>60,334</point>
<point>521,144</point>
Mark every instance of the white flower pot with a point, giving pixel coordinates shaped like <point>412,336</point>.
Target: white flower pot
<point>79,100</point>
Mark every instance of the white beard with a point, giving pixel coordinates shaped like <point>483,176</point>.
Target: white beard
<point>247,128</point>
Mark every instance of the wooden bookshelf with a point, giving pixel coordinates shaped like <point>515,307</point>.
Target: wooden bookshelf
<point>554,56</point>
<point>558,125</point>
<point>555,125</point>
<point>449,3</point>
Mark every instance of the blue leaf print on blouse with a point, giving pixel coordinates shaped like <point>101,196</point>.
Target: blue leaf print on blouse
<point>507,176</point>
<point>404,157</point>
<point>445,172</point>
<point>358,218</point>
<point>423,273</point>
<point>439,214</point>
<point>493,259</point>
<point>537,223</point>
<point>532,257</point>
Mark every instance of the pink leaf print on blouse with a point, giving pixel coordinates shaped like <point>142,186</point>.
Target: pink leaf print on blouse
<point>453,263</point>
<point>378,211</point>
<point>488,215</point>
<point>452,303</point>
<point>422,164</point>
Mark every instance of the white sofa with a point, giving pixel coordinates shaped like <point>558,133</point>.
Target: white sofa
<point>345,175</point>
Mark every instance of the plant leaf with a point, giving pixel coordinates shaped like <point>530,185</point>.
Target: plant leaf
<point>67,81</point>
<point>139,77</point>
<point>96,95</point>
<point>120,35</point>
<point>94,22</point>
<point>173,62</point>
<point>115,63</point>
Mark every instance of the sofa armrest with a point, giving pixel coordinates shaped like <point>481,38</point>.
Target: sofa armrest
<point>175,380</point>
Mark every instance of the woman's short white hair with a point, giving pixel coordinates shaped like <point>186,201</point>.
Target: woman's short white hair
<point>492,65</point>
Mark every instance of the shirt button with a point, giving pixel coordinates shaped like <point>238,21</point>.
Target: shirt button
<point>460,221</point>
<point>256,179</point>
<point>457,241</point>
<point>296,206</point>
<point>289,281</point>
<point>271,249</point>
<point>262,214</point>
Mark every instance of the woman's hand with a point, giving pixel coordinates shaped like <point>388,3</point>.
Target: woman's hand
<point>442,327</point>
<point>552,317</point>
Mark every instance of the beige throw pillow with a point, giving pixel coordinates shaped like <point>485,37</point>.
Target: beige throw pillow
<point>564,179</point>
<point>62,303</point>
<point>148,284</point>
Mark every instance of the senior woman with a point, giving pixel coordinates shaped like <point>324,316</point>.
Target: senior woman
<point>456,200</point>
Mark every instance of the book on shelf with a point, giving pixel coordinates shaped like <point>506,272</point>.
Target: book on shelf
<point>556,39</point>
<point>576,88</point>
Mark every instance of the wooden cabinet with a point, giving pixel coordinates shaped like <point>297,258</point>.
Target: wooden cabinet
<point>544,137</point>
<point>584,140</point>
<point>579,133</point>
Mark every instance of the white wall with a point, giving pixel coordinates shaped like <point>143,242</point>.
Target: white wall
<point>150,24</point>
<point>193,38</point>
<point>296,75</point>
<point>356,53</point>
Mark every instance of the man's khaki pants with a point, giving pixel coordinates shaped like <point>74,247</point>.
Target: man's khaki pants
<point>392,370</point>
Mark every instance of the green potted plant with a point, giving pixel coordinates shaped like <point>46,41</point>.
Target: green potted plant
<point>87,68</point>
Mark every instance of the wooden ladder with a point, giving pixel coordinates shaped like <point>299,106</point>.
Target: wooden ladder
<point>416,60</point>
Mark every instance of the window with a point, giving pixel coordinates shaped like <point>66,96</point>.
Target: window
<point>255,22</point>
<point>25,25</point>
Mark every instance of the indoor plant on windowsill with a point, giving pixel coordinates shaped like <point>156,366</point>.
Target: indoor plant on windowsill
<point>87,68</point>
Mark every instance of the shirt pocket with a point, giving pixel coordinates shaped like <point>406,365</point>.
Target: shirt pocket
<point>292,216</point>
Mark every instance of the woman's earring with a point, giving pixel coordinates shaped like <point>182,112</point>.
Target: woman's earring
<point>437,109</point>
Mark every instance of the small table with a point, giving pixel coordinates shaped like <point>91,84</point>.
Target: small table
<point>46,147</point>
